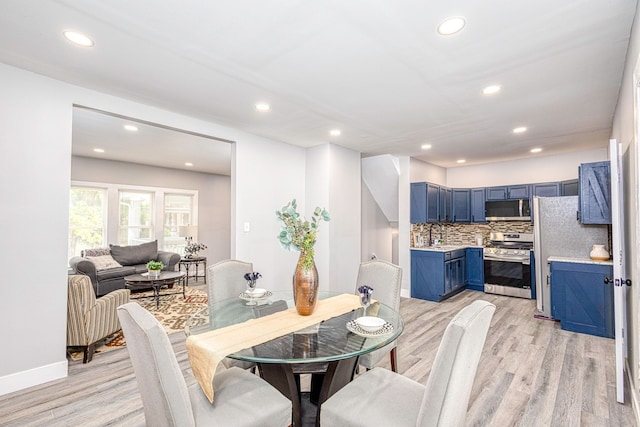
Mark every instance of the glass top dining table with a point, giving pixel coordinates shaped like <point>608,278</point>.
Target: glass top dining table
<point>326,341</point>
<point>328,350</point>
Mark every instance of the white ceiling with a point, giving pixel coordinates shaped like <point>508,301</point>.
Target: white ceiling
<point>377,70</point>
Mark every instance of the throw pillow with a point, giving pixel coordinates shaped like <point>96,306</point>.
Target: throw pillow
<point>136,254</point>
<point>104,262</point>
<point>95,252</point>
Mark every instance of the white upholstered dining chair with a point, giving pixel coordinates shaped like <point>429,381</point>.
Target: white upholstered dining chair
<point>386,280</point>
<point>383,398</point>
<point>225,280</point>
<point>241,398</point>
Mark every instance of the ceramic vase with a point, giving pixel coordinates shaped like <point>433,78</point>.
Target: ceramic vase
<point>305,286</point>
<point>599,253</point>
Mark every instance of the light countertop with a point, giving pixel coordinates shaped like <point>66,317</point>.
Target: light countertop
<point>445,248</point>
<point>579,260</point>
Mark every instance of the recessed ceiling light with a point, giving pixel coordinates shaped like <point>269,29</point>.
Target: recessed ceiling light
<point>263,107</point>
<point>98,150</point>
<point>131,128</point>
<point>425,146</point>
<point>536,150</point>
<point>188,164</point>
<point>490,90</point>
<point>520,129</point>
<point>335,132</point>
<point>451,25</point>
<point>460,161</point>
<point>78,38</point>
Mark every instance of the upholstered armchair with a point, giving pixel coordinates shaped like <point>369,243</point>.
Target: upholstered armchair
<point>91,319</point>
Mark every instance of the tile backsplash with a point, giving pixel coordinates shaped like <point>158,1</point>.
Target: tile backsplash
<point>465,234</point>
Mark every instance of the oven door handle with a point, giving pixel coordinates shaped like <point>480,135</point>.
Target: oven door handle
<point>524,261</point>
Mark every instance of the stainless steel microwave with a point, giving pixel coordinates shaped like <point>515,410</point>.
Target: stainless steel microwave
<point>508,210</point>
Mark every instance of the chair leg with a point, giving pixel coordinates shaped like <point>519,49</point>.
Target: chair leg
<point>88,353</point>
<point>394,361</point>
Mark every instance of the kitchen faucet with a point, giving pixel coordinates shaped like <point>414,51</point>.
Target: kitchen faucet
<point>441,233</point>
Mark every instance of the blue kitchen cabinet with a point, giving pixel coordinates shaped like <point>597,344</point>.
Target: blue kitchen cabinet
<point>569,187</point>
<point>437,275</point>
<point>496,193</point>
<point>517,192</point>
<point>445,211</point>
<point>461,205</point>
<point>510,192</point>
<point>418,203</point>
<point>580,299</point>
<point>433,202</point>
<point>595,192</point>
<point>477,205</point>
<point>475,269</point>
<point>546,189</point>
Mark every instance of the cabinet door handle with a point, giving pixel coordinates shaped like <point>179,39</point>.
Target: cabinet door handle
<point>607,281</point>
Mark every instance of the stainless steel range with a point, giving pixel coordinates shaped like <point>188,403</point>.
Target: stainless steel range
<point>507,265</point>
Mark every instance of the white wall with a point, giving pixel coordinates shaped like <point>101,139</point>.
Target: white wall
<point>345,179</point>
<point>35,132</point>
<point>420,171</point>
<point>525,171</point>
<point>214,195</point>
<point>377,234</point>
<point>624,129</point>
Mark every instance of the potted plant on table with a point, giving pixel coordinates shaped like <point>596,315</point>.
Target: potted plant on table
<point>154,268</point>
<point>298,234</point>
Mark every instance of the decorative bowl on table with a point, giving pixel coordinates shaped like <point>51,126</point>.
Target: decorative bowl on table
<point>370,323</point>
<point>256,292</point>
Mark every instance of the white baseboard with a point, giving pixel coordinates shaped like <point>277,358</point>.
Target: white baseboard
<point>32,377</point>
<point>634,394</point>
<point>405,293</point>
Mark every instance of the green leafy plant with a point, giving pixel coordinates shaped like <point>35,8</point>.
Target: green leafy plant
<point>155,265</point>
<point>298,234</point>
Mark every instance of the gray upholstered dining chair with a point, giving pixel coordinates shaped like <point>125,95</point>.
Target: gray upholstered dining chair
<point>386,280</point>
<point>241,398</point>
<point>383,398</point>
<point>225,280</point>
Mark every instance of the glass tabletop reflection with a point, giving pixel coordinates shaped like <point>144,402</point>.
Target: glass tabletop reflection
<point>326,341</point>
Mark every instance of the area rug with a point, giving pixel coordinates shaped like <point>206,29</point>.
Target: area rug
<point>172,312</point>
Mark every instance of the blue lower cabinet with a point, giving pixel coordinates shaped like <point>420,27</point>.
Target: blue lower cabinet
<point>436,275</point>
<point>580,299</point>
<point>475,269</point>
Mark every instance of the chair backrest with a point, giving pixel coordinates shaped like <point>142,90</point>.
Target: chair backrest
<point>80,298</point>
<point>225,279</point>
<point>454,368</point>
<point>385,278</point>
<point>165,397</point>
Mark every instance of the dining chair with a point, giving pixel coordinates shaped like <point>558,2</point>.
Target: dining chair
<point>384,398</point>
<point>386,280</point>
<point>241,398</point>
<point>225,280</point>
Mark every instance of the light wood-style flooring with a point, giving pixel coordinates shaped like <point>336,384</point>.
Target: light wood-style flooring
<point>531,373</point>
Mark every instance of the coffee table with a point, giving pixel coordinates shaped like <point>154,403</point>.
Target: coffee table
<point>143,281</point>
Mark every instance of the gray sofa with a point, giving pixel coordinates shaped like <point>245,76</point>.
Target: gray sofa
<point>107,267</point>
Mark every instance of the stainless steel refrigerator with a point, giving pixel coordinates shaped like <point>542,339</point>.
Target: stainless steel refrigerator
<point>557,232</point>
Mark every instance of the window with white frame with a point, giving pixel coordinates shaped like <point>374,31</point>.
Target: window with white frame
<point>87,219</point>
<point>102,213</point>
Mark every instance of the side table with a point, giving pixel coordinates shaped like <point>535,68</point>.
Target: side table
<point>195,261</point>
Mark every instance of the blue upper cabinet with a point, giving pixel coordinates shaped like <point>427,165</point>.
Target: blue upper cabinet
<point>445,213</point>
<point>477,205</point>
<point>569,187</point>
<point>511,192</point>
<point>461,205</point>
<point>595,192</point>
<point>418,209</point>
<point>496,193</point>
<point>516,192</point>
<point>433,202</point>
<point>546,189</point>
